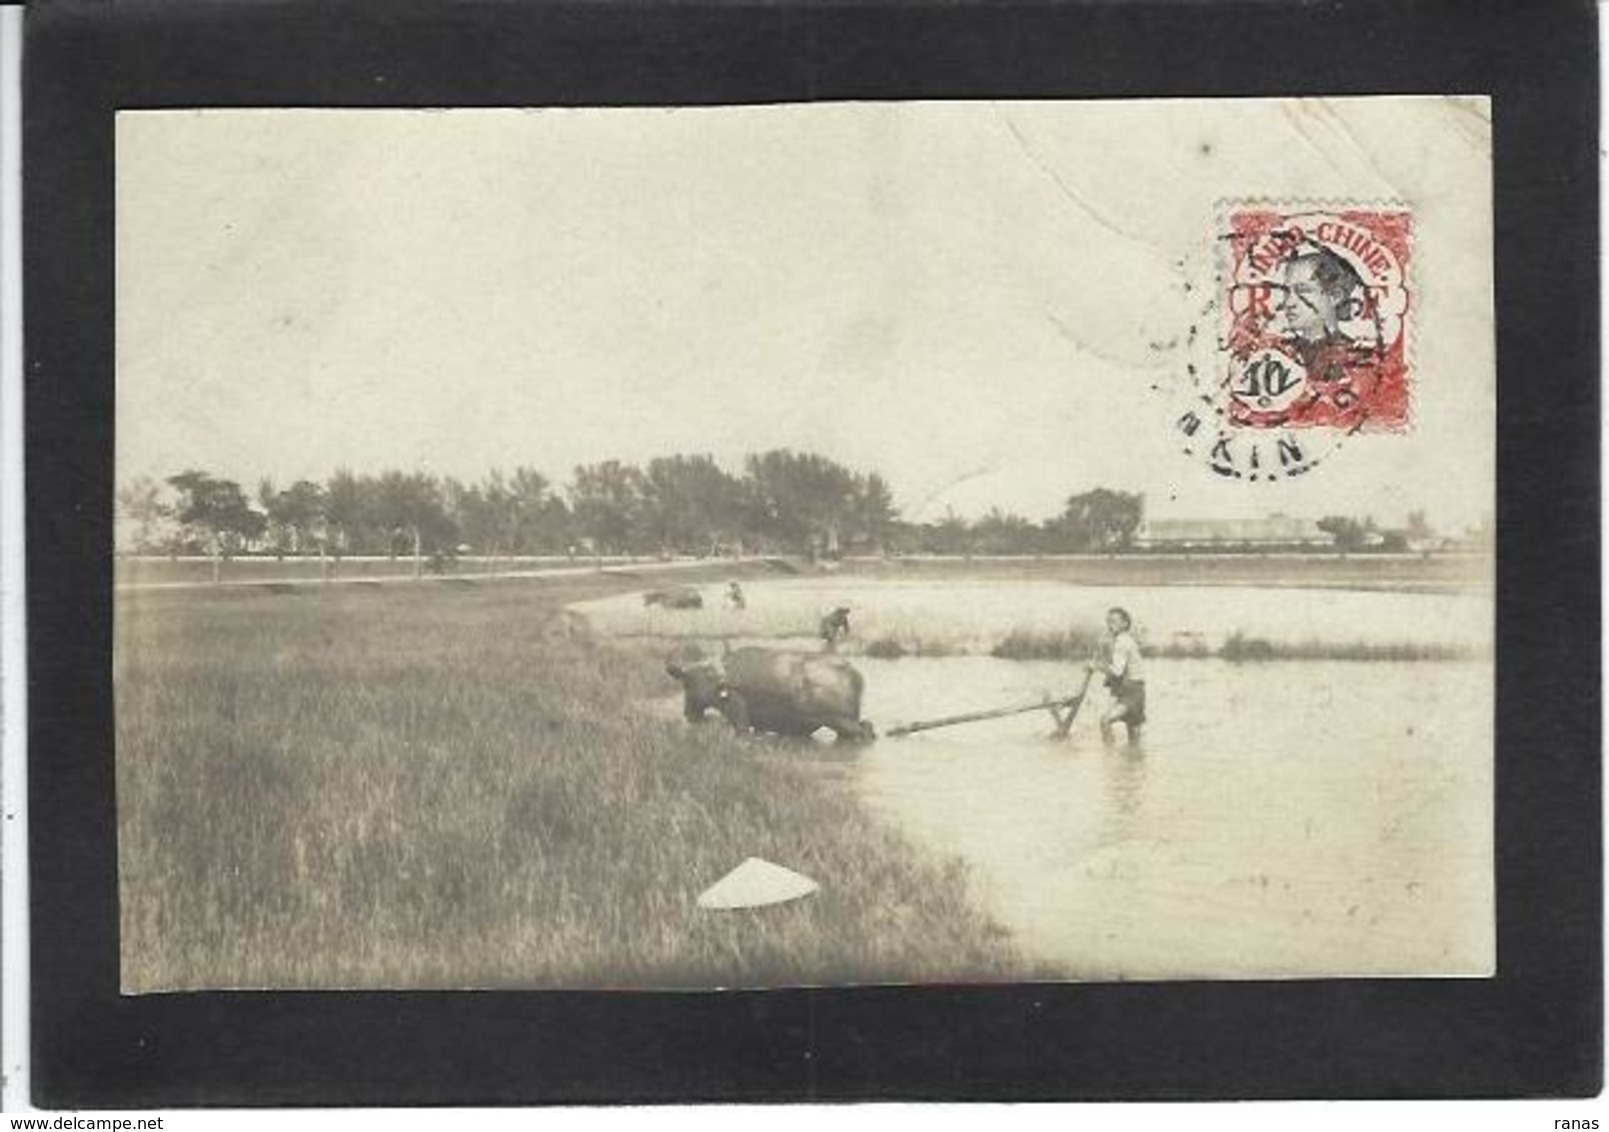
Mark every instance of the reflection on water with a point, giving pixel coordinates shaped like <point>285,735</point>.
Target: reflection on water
<point>1297,819</point>
<point>1125,791</point>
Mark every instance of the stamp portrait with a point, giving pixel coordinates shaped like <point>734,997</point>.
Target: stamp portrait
<point>1306,339</point>
<point>1316,309</point>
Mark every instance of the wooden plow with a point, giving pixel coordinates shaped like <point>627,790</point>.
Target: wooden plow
<point>1064,723</point>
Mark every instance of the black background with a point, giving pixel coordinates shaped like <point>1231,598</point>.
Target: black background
<point>1534,1030</point>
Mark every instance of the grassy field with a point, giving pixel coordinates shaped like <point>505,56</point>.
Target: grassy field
<point>448,786</point>
<point>1397,573</point>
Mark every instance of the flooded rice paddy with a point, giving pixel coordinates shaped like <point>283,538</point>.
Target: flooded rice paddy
<point>1285,819</point>
<point>1277,820</point>
<point>972,616</point>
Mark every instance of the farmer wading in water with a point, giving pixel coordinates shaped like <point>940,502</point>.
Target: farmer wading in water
<point>1124,671</point>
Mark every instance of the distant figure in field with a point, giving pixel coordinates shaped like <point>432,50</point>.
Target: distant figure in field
<point>834,627</point>
<point>734,597</point>
<point>1124,671</point>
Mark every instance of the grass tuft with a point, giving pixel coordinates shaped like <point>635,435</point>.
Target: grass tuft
<point>892,646</point>
<point>887,648</point>
<point>1240,648</point>
<point>1035,644</point>
<point>1237,647</point>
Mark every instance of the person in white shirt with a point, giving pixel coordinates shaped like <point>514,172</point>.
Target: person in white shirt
<point>1124,670</point>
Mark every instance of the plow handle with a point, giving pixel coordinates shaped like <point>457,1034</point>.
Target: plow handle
<point>1071,702</point>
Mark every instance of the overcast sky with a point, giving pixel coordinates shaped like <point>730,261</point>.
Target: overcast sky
<point>983,301</point>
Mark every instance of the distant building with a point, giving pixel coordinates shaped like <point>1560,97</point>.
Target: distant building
<point>1206,534</point>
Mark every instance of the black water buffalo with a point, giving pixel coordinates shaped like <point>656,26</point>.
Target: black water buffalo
<point>674,597</point>
<point>788,693</point>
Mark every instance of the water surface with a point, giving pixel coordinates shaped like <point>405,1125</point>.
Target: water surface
<point>1279,819</point>
<point>969,615</point>
<point>1276,820</point>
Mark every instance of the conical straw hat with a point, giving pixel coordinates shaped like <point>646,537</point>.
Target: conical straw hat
<point>754,884</point>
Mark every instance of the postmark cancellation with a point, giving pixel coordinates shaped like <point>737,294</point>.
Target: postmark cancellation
<point>1312,310</point>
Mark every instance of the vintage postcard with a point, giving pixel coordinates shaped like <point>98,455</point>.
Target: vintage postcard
<point>804,545</point>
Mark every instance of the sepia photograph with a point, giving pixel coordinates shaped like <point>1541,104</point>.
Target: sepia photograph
<point>811,545</point>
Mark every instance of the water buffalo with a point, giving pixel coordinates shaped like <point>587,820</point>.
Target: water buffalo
<point>674,597</point>
<point>789,693</point>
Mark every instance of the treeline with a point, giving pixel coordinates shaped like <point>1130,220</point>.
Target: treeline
<point>783,502</point>
<point>1364,533</point>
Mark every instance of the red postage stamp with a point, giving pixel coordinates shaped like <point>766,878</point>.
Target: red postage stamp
<point>1316,309</point>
